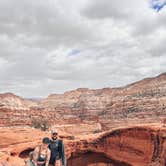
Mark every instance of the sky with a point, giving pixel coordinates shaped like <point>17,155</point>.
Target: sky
<point>54,46</point>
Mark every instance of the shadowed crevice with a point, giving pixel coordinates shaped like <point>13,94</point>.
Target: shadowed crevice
<point>93,159</point>
<point>25,153</point>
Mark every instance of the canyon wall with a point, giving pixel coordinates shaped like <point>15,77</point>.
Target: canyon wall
<point>143,100</point>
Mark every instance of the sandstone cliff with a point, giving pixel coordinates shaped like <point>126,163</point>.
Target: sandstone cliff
<point>142,101</point>
<point>142,145</point>
<point>11,101</point>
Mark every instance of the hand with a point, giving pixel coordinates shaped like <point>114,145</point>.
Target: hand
<point>58,163</point>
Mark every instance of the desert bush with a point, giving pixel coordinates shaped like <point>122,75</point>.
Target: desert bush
<point>40,123</point>
<point>97,131</point>
<point>132,109</point>
<point>72,137</point>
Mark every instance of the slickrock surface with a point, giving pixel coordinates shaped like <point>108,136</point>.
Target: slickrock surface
<point>143,145</point>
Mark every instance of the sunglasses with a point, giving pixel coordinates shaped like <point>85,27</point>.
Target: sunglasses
<point>54,134</point>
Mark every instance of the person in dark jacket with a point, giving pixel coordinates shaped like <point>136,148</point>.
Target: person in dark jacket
<point>57,149</point>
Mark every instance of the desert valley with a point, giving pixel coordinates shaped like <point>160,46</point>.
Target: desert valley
<point>122,126</point>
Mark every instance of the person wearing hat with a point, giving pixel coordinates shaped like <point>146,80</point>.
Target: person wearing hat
<point>41,154</point>
<point>57,149</point>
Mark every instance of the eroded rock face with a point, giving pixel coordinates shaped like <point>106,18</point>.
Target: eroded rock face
<point>136,146</point>
<point>93,159</point>
<point>144,100</point>
<point>133,146</point>
<point>13,102</point>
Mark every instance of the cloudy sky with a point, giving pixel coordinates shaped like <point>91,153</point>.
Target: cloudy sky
<point>57,45</point>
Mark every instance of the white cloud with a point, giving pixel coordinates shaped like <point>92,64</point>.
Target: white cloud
<point>53,46</point>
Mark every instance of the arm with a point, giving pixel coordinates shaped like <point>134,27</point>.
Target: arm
<point>35,155</point>
<point>48,157</point>
<point>63,159</point>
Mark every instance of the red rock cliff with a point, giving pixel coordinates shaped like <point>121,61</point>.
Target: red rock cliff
<point>145,99</point>
<point>132,146</point>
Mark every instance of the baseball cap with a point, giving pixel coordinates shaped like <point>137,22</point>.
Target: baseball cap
<point>55,131</point>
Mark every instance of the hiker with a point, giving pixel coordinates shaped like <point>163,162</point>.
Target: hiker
<point>57,150</point>
<point>41,154</point>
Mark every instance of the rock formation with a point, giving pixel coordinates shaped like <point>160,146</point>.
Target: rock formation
<point>11,101</point>
<point>143,100</point>
<point>142,145</point>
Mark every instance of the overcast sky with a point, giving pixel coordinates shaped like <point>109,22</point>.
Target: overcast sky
<point>52,46</point>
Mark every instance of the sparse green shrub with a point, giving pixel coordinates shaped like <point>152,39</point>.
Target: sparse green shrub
<point>132,109</point>
<point>72,137</point>
<point>97,131</point>
<point>40,123</point>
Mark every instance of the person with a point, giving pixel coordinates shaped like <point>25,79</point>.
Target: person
<point>41,154</point>
<point>57,149</point>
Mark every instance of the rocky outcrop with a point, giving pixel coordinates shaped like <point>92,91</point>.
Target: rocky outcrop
<point>13,102</point>
<point>132,146</point>
<point>146,98</point>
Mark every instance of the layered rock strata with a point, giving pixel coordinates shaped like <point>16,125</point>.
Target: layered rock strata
<point>144,100</point>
